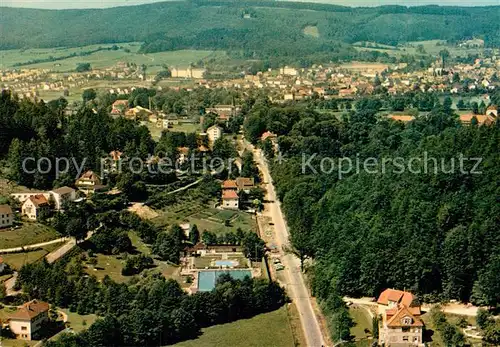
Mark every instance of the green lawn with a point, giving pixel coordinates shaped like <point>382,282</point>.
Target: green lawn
<point>17,260</point>
<point>77,322</point>
<point>362,320</point>
<point>205,217</point>
<point>29,233</point>
<point>269,329</point>
<point>112,265</point>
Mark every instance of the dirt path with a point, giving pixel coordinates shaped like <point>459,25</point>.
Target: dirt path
<point>34,246</point>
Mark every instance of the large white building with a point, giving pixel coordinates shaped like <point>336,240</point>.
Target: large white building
<point>28,321</point>
<point>214,133</point>
<point>188,73</point>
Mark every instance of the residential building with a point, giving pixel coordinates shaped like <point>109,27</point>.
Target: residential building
<point>6,216</point>
<point>245,184</point>
<point>22,197</point>
<point>62,195</point>
<point>34,206</point>
<point>28,321</point>
<point>188,73</point>
<point>214,133</point>
<point>89,183</point>
<point>120,107</point>
<point>230,199</point>
<point>401,324</point>
<point>230,185</point>
<point>466,119</point>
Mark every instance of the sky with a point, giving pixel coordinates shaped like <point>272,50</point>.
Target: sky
<point>63,4</point>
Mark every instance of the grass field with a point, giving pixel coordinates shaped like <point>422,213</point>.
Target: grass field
<point>112,265</point>
<point>268,329</point>
<point>17,260</point>
<point>311,30</point>
<point>79,323</point>
<point>102,59</point>
<point>431,47</point>
<point>363,322</point>
<point>205,218</point>
<point>29,233</point>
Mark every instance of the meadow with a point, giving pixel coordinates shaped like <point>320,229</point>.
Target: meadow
<point>268,329</point>
<point>127,52</point>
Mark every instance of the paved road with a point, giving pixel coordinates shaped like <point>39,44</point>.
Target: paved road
<point>295,285</point>
<point>34,246</point>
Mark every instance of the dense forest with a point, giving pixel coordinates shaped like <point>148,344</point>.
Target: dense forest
<point>249,28</point>
<point>434,233</point>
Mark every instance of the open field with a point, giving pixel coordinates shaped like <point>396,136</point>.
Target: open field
<point>363,323</point>
<point>184,127</point>
<point>102,59</point>
<point>268,329</point>
<point>17,260</point>
<point>29,233</point>
<point>431,47</point>
<point>112,265</point>
<point>311,30</point>
<point>77,322</point>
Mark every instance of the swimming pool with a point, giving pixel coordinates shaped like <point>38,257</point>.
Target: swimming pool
<point>207,279</point>
<point>226,263</point>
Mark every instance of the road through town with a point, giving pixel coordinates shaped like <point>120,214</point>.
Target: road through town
<point>296,287</point>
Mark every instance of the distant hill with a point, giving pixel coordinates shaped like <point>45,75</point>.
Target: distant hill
<point>253,28</point>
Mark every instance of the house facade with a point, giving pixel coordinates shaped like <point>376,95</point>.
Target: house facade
<point>230,199</point>
<point>62,195</point>
<point>89,183</point>
<point>28,321</point>
<point>6,216</point>
<point>35,206</point>
<point>214,133</point>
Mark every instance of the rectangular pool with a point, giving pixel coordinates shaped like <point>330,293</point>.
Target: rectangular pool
<point>207,279</point>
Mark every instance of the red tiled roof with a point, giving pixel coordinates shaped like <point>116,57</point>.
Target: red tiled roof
<point>229,184</point>
<point>394,295</point>
<point>397,320</point>
<point>229,195</point>
<point>38,200</point>
<point>30,310</point>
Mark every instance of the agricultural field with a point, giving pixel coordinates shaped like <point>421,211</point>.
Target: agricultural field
<point>102,59</point>
<point>268,329</point>
<point>27,234</point>
<point>432,47</point>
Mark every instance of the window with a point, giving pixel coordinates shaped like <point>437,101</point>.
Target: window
<point>405,338</point>
<point>24,328</point>
<point>406,329</point>
<point>415,339</point>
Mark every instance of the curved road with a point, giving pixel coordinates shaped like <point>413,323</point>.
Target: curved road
<point>295,284</point>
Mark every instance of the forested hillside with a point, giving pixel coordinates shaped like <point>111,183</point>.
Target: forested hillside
<point>250,27</point>
<point>435,234</point>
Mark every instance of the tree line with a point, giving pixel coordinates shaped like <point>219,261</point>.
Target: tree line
<point>152,311</point>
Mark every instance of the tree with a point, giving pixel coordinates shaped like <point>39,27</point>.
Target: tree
<point>461,104</point>
<point>444,54</point>
<point>456,77</point>
<point>167,248</point>
<point>483,318</point>
<point>253,246</point>
<point>89,95</point>
<point>83,67</point>
<point>194,234</point>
